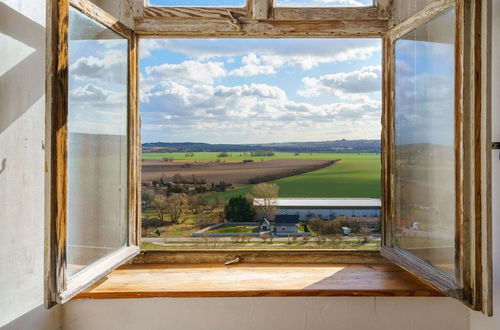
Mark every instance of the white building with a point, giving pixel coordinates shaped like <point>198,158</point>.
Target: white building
<point>326,208</point>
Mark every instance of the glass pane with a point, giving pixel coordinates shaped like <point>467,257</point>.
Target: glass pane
<point>424,142</point>
<point>199,3</point>
<point>261,143</point>
<point>97,146</point>
<point>324,3</point>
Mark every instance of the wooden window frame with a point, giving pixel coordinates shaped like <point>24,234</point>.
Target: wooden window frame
<point>472,281</point>
<point>261,19</point>
<point>59,288</point>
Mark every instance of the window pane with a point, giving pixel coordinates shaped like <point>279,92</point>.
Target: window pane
<point>324,3</point>
<point>97,146</point>
<point>424,142</point>
<point>199,3</point>
<point>261,143</point>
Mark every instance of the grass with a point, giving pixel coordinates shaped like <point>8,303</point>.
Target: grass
<point>239,157</point>
<point>355,176</point>
<point>231,229</point>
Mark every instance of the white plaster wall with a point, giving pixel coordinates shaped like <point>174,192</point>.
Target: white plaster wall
<point>478,320</point>
<point>22,132</point>
<point>267,313</point>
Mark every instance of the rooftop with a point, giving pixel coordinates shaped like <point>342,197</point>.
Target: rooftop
<point>324,202</point>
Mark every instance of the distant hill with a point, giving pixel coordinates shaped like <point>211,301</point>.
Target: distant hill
<point>354,146</point>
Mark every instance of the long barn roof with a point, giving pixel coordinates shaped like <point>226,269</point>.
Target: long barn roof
<point>324,202</point>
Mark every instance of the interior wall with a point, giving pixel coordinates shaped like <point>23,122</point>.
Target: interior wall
<point>478,321</point>
<point>405,8</point>
<point>267,313</point>
<point>22,156</point>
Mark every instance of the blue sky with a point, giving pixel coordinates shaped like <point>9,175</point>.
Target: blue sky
<point>260,90</point>
<point>241,3</point>
<point>425,80</point>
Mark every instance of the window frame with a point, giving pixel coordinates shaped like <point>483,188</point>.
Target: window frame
<point>261,19</point>
<point>472,282</point>
<point>59,288</point>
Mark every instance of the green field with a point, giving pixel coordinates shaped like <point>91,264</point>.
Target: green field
<point>355,176</point>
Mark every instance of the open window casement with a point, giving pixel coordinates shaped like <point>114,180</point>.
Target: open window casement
<point>93,146</point>
<point>436,165</point>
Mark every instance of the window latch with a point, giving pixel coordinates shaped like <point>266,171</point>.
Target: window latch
<point>234,261</point>
<point>495,146</point>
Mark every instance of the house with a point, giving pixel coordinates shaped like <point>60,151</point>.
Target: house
<point>286,224</point>
<point>265,225</point>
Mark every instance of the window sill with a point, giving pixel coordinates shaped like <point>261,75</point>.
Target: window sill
<point>258,280</point>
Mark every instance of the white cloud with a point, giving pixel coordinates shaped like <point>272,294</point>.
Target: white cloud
<point>189,72</point>
<point>248,113</point>
<point>312,3</point>
<point>110,68</point>
<point>352,85</point>
<point>304,53</point>
<point>252,66</point>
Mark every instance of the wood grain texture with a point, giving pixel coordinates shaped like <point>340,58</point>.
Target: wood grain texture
<point>202,28</point>
<point>340,13</point>
<point>257,280</point>
<point>423,16</point>
<point>252,256</point>
<point>426,272</point>
<point>260,9</point>
<point>387,158</point>
<point>57,87</point>
<point>134,155</point>
<point>96,13</point>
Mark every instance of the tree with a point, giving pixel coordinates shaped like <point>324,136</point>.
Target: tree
<point>147,197</point>
<point>160,204</point>
<point>176,206</point>
<point>267,194</point>
<point>197,204</point>
<point>216,208</point>
<point>239,209</point>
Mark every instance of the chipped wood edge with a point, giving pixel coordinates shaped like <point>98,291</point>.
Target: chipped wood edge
<point>57,101</point>
<point>257,256</point>
<point>424,271</point>
<point>423,16</point>
<point>96,13</point>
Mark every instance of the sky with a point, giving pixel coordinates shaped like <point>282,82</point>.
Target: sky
<point>425,80</point>
<point>241,3</point>
<point>260,90</point>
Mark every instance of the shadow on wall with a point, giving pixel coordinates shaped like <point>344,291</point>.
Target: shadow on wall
<point>26,74</point>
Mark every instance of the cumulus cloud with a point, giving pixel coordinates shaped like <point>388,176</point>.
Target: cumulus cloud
<point>252,66</point>
<point>312,3</point>
<point>345,85</point>
<point>247,112</point>
<point>189,72</point>
<point>304,53</point>
<point>111,68</point>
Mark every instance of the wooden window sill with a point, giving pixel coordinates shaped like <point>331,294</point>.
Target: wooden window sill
<point>257,280</point>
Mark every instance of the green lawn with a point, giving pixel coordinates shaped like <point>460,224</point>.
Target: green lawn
<point>355,176</point>
<point>231,229</point>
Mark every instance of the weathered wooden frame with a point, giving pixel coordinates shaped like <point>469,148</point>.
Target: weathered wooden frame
<point>262,19</point>
<point>472,281</point>
<point>59,288</point>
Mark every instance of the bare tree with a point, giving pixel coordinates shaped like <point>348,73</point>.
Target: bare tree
<point>267,193</point>
<point>177,205</point>
<point>160,205</point>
